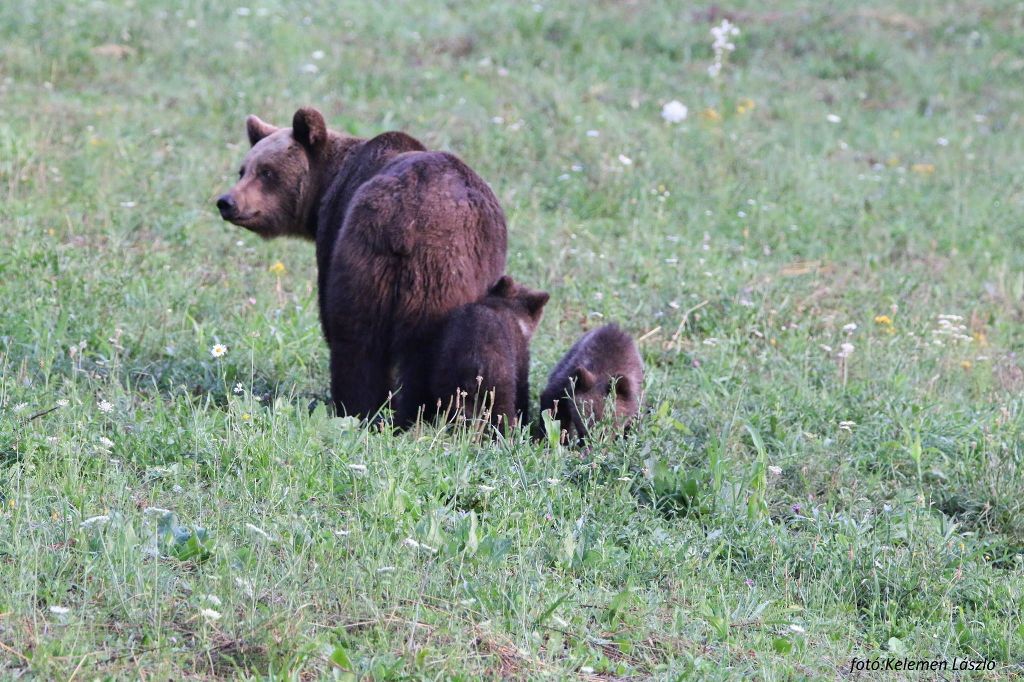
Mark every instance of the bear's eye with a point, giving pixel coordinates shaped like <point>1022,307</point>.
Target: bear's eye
<point>241,172</point>
<point>267,174</point>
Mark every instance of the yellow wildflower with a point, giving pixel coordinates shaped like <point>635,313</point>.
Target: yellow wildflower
<point>923,168</point>
<point>883,320</point>
<point>744,105</point>
<point>711,114</point>
<point>966,364</point>
<point>980,338</point>
<point>246,417</point>
<point>278,268</point>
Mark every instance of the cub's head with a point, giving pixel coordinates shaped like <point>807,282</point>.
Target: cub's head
<point>527,304</point>
<point>594,393</point>
<point>277,180</point>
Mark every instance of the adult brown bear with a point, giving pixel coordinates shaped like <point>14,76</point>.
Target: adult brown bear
<point>403,236</point>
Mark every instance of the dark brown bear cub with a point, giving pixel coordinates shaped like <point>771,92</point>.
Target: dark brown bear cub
<point>604,362</point>
<point>403,237</point>
<point>483,358</point>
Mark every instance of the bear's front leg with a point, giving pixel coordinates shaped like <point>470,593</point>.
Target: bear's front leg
<point>359,378</point>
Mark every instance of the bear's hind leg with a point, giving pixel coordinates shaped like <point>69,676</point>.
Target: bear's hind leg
<point>414,394</point>
<point>359,379</point>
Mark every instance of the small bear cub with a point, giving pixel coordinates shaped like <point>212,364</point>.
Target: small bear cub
<point>483,354</point>
<point>603,362</point>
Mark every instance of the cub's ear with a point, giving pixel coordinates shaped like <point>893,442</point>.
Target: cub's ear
<point>585,379</point>
<point>623,387</point>
<point>308,128</point>
<point>258,129</point>
<point>535,302</point>
<point>503,287</point>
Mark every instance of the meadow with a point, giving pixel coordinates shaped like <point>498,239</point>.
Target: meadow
<point>822,261</point>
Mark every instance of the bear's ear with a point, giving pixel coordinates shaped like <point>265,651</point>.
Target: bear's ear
<point>535,302</point>
<point>258,129</point>
<point>623,387</point>
<point>585,379</point>
<point>503,287</point>
<point>308,128</point>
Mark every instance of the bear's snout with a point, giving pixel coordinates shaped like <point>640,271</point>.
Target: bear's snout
<point>227,207</point>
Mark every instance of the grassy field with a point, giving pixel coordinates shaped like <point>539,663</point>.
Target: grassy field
<point>854,175</point>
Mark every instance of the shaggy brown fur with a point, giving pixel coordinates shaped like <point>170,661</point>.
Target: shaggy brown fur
<point>403,236</point>
<point>483,358</point>
<point>602,363</point>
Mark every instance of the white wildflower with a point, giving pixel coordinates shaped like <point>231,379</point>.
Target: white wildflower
<point>625,160</point>
<point>318,55</point>
<point>674,112</point>
<point>94,521</point>
<point>721,45</point>
<point>310,68</point>
<point>105,406</point>
<point>942,142</point>
<point>361,468</point>
<point>797,629</point>
<point>593,133</point>
<point>845,350</point>
<point>219,350</point>
<point>156,511</point>
<point>243,11</point>
<point>63,402</point>
<point>212,599</point>
<point>257,531</point>
<point>210,614</point>
<point>60,610</point>
<point>847,425</point>
<point>239,388</point>
<point>410,542</point>
<point>832,118</point>
<point>106,442</point>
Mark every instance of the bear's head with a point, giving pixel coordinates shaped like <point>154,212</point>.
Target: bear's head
<point>592,392</point>
<point>526,304</point>
<point>279,180</point>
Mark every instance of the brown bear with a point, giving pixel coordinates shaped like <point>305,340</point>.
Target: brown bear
<point>603,362</point>
<point>403,236</point>
<point>483,358</point>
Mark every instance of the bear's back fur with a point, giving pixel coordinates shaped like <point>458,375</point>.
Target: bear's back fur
<point>404,236</point>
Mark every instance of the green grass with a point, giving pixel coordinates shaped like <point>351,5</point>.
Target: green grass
<point>739,532</point>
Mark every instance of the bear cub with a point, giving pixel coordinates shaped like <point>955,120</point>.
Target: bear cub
<point>483,354</point>
<point>603,362</point>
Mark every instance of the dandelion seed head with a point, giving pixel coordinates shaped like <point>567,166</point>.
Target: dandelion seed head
<point>674,111</point>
